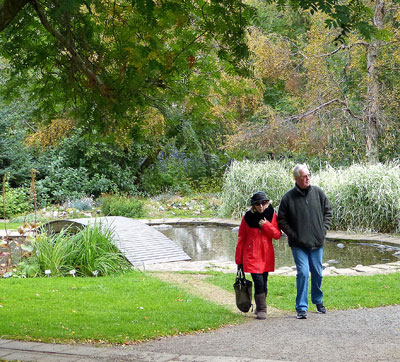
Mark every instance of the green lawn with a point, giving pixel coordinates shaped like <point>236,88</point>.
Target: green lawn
<point>119,309</point>
<point>10,225</point>
<point>340,292</point>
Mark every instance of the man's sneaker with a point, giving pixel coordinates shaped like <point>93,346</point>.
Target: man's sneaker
<point>321,308</point>
<point>301,314</point>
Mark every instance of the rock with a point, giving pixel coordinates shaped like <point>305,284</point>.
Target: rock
<point>332,261</point>
<point>340,246</point>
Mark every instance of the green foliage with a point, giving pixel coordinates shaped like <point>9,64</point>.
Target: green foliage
<point>81,167</point>
<point>95,251</point>
<point>15,160</point>
<point>115,205</point>
<point>140,53</point>
<point>91,249</point>
<point>17,201</point>
<point>167,175</point>
<point>243,179</point>
<point>51,252</point>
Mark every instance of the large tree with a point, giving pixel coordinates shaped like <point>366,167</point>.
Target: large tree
<point>108,60</point>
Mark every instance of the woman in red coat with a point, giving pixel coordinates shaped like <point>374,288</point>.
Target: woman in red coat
<point>254,250</point>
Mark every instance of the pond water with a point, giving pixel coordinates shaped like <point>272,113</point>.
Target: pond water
<point>219,243</point>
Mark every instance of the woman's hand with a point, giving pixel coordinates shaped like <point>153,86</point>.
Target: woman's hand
<point>262,222</point>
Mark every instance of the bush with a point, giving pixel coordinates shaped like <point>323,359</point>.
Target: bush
<point>243,179</point>
<point>167,176</point>
<point>16,202</point>
<point>364,197</point>
<point>121,206</point>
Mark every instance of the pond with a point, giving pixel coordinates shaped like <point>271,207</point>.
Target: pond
<point>219,243</point>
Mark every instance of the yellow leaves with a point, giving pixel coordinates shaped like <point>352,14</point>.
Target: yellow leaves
<point>154,123</point>
<point>50,135</point>
<point>271,57</point>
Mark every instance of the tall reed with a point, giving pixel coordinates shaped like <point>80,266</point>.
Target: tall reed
<point>243,179</point>
<point>364,197</point>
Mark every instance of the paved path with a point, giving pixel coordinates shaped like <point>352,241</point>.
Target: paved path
<point>367,335</point>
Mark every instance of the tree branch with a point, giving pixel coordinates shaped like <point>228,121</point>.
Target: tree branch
<point>93,78</point>
<point>9,10</point>
<point>306,114</point>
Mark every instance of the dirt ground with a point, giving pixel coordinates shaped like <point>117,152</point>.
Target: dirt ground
<point>195,284</point>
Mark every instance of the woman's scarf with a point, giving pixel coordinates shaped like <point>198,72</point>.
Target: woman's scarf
<point>253,218</point>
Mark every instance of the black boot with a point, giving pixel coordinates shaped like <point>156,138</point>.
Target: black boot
<point>261,306</point>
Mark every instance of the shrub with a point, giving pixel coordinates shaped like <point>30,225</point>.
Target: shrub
<point>16,202</point>
<point>83,204</point>
<point>121,206</point>
<point>243,179</point>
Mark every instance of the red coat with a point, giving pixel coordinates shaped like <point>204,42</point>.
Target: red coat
<point>254,248</point>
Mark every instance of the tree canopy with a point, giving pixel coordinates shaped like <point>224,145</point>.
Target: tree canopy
<point>105,62</point>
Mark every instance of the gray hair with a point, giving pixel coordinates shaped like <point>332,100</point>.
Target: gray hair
<point>298,168</point>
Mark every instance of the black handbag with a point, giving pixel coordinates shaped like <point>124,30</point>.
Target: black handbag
<point>243,291</point>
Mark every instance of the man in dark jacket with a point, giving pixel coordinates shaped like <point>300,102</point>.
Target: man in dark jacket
<point>305,215</point>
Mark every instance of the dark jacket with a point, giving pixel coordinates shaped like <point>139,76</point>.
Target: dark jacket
<point>305,217</point>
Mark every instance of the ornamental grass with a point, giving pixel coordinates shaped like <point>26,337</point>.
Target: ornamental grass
<point>365,198</point>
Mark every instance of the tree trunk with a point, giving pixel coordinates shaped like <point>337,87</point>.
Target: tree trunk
<point>372,108</point>
<point>9,10</point>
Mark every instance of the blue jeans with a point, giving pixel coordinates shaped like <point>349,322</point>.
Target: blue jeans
<point>308,261</point>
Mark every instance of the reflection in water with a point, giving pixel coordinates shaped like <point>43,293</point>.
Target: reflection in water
<point>219,243</point>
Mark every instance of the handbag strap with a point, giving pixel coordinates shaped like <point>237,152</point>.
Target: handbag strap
<point>240,275</point>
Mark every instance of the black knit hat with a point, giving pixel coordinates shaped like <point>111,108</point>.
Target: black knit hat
<point>257,197</point>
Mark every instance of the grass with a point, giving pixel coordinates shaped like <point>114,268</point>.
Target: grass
<point>10,225</point>
<point>340,292</point>
<point>120,309</point>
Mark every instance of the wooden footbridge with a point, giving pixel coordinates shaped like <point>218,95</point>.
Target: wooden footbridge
<point>140,243</point>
